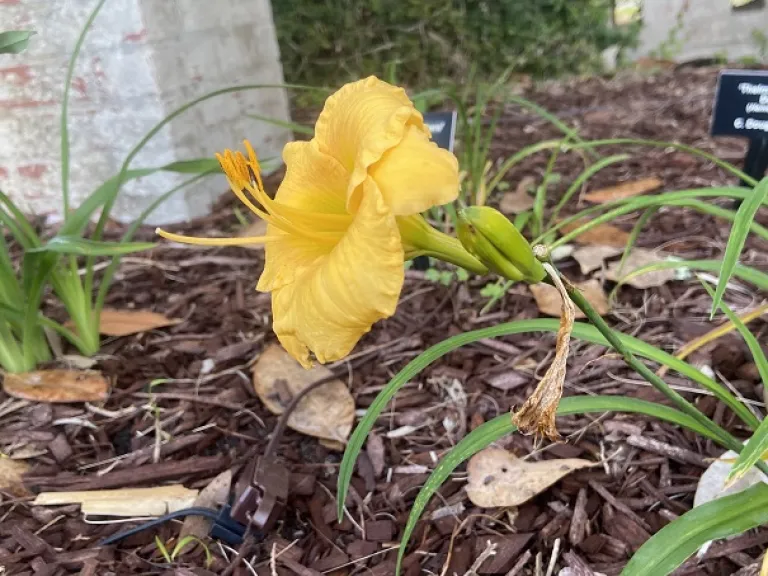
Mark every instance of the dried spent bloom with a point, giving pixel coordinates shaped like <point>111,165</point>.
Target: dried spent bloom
<point>345,218</point>
<point>537,414</point>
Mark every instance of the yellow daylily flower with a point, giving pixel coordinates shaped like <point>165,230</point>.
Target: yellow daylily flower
<point>345,217</point>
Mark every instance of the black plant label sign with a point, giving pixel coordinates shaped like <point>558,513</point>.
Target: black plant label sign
<point>443,128</point>
<point>741,104</point>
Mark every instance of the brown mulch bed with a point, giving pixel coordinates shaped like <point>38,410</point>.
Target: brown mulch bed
<point>594,518</point>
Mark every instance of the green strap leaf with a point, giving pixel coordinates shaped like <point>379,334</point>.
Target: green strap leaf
<point>502,425</point>
<point>679,539</point>
<point>746,273</point>
<point>78,219</point>
<point>85,247</point>
<point>292,126</point>
<point>64,121</point>
<point>758,443</point>
<point>581,330</point>
<point>585,175</point>
<point>15,41</point>
<point>741,226</point>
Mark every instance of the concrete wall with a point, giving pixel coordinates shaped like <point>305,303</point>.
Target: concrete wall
<point>710,27</point>
<point>141,60</point>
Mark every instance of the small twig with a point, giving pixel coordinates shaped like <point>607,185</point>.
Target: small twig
<point>674,452</point>
<point>520,564</point>
<point>608,497</point>
<point>244,549</point>
<point>490,550</point>
<point>273,560</point>
<point>553,558</point>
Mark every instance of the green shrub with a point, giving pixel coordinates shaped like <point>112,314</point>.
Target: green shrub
<point>328,43</point>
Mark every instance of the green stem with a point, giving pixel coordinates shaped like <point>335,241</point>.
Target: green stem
<point>681,403</point>
<point>11,357</point>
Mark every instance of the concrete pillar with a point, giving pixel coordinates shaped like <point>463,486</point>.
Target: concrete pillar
<point>141,60</point>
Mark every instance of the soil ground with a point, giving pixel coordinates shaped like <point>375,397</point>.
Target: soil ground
<point>592,520</point>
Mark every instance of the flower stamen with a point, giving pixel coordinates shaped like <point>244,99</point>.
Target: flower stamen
<point>244,174</point>
<point>243,241</point>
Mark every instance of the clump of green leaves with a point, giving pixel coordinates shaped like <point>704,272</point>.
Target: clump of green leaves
<point>720,518</point>
<point>446,277</point>
<point>432,40</point>
<point>66,263</point>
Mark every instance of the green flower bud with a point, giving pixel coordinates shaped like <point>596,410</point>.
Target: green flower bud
<point>492,238</point>
<point>420,239</point>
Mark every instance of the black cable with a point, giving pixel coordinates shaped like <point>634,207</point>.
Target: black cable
<point>194,511</point>
<point>224,526</point>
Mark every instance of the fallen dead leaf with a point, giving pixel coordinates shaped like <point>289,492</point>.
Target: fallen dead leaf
<point>212,496</point>
<point>520,200</point>
<point>602,234</point>
<point>497,478</point>
<point>335,445</point>
<point>637,259</point>
<point>127,502</point>
<point>548,299</point>
<point>57,386</point>
<point>79,362</point>
<point>327,412</point>
<point>714,484</point>
<point>126,322</point>
<point>623,190</point>
<point>508,380</point>
<point>590,258</point>
<point>257,228</point>
<point>11,472</point>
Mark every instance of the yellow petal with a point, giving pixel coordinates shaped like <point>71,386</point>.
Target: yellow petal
<point>287,258</point>
<point>337,299</point>
<point>416,174</point>
<point>315,183</point>
<point>359,123</point>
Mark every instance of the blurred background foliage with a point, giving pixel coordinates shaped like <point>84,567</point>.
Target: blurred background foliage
<point>430,41</point>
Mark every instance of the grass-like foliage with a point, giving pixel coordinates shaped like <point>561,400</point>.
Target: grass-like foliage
<point>681,538</point>
<point>57,262</point>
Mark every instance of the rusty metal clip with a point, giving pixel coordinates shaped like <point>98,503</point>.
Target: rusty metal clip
<point>263,500</point>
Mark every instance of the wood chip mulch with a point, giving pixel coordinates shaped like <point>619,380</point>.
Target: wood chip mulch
<point>591,521</point>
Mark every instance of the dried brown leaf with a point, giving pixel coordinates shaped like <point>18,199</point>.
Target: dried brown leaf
<point>520,200</point>
<point>327,412</point>
<point>508,380</point>
<point>602,234</point>
<point>637,259</point>
<point>57,386</point>
<point>590,258</point>
<point>549,302</point>
<point>125,322</point>
<point>623,190</point>
<point>212,496</point>
<point>497,478</point>
<point>11,472</point>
